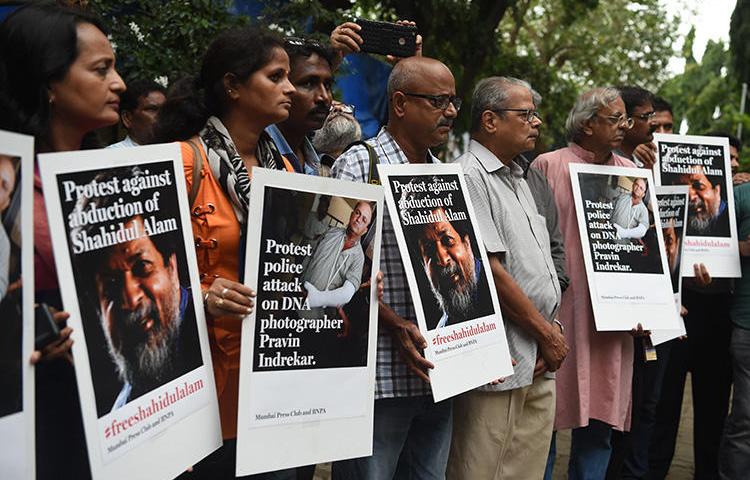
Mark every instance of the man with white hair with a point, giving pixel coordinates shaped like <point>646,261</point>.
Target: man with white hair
<point>594,384</point>
<point>503,430</point>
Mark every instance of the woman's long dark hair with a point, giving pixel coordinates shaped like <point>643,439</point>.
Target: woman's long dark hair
<point>38,44</point>
<point>190,101</point>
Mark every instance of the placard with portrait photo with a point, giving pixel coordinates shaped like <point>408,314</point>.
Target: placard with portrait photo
<point>673,204</point>
<point>126,263</point>
<point>449,276</point>
<point>307,365</point>
<point>703,164</point>
<point>623,247</point>
<point>16,306</point>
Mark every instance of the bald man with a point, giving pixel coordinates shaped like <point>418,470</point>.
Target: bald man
<point>422,106</point>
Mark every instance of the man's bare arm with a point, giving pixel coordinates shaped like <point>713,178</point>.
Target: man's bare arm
<point>517,308</point>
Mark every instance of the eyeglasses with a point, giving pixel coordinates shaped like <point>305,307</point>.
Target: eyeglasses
<point>439,101</point>
<point>528,114</point>
<point>619,120</point>
<point>646,116</point>
<point>343,108</point>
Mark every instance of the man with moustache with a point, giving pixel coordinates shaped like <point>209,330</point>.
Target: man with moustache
<point>708,214</point>
<point>503,430</point>
<point>139,108</point>
<point>408,424</point>
<point>145,313</point>
<point>339,131</point>
<point>311,72</point>
<point>594,383</point>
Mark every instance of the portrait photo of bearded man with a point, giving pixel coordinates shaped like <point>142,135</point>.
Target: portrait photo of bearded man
<point>136,305</point>
<point>448,267</point>
<point>708,212</point>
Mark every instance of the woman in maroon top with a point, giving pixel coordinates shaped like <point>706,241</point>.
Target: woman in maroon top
<point>58,83</point>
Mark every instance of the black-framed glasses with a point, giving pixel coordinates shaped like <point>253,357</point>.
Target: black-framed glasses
<point>439,101</point>
<point>528,114</point>
<point>619,120</point>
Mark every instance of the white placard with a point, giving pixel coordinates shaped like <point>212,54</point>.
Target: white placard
<point>16,307</point>
<point>703,164</point>
<point>673,203</point>
<point>432,213</point>
<point>307,364</point>
<point>623,249</point>
<point>123,244</point>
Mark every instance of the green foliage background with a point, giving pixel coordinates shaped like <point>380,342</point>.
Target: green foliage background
<point>562,47</point>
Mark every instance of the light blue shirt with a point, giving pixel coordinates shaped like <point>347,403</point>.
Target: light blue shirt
<point>312,160</point>
<point>126,142</point>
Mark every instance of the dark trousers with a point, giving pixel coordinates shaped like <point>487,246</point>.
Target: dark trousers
<point>705,353</point>
<point>60,441</point>
<point>630,454</point>
<point>734,463</point>
<point>220,465</point>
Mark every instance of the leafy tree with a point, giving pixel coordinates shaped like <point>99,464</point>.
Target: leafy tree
<point>561,46</point>
<point>163,38</point>
<point>739,38</point>
<point>707,94</point>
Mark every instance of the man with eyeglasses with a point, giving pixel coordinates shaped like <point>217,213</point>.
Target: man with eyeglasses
<point>638,143</point>
<point>408,424</point>
<point>503,430</point>
<point>594,383</point>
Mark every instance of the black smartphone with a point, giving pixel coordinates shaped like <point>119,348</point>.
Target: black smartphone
<point>47,331</point>
<point>386,38</point>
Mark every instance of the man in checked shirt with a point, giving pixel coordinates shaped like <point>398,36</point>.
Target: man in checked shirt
<point>408,424</point>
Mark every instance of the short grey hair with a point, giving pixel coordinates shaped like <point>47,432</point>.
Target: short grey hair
<point>586,107</point>
<point>399,79</point>
<point>337,133</point>
<point>492,93</point>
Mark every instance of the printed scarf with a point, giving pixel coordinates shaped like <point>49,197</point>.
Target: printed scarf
<point>227,165</point>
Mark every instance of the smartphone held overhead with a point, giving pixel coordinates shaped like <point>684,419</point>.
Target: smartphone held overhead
<point>386,38</point>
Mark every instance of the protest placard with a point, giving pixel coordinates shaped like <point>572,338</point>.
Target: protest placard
<point>455,300</point>
<point>623,247</point>
<point>123,244</point>
<point>673,202</point>
<point>16,306</point>
<point>703,164</point>
<point>307,365</point>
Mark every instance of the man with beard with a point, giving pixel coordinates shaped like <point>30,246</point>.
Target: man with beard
<point>339,131</point>
<point>630,215</point>
<point>708,214</point>
<point>444,249</point>
<point>145,314</point>
<point>504,430</point>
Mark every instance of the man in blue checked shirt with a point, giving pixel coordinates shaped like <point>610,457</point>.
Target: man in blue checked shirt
<point>408,424</point>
